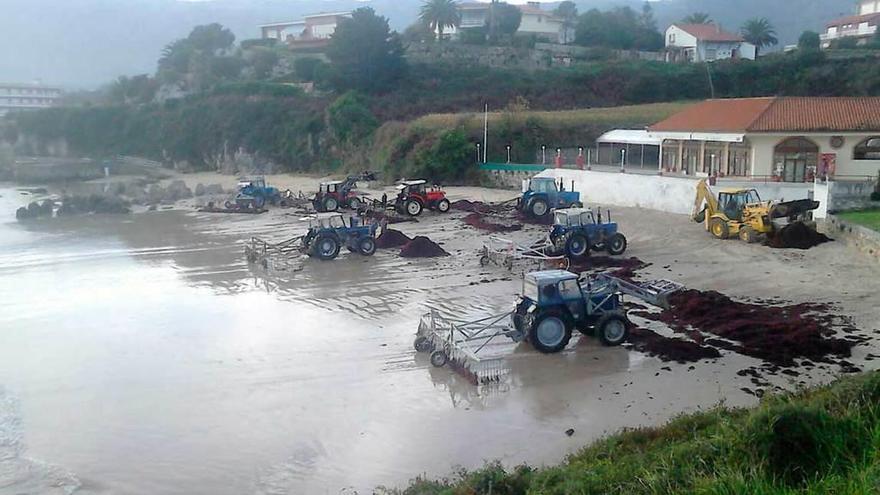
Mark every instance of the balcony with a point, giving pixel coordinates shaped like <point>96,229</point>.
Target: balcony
<point>859,32</point>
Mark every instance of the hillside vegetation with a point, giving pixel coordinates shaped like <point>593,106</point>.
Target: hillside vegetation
<point>821,441</point>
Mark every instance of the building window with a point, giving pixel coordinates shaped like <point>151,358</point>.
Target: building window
<point>869,149</point>
<point>711,54</point>
<point>672,38</point>
<point>795,159</point>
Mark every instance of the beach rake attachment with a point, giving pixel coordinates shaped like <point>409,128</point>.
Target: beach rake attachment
<point>284,256</point>
<point>464,345</point>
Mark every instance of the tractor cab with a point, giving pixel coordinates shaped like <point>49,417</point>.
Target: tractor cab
<point>329,187</point>
<point>577,231</point>
<point>733,202</point>
<point>542,194</point>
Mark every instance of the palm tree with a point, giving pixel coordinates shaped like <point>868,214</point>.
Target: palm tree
<point>697,18</point>
<point>760,33</point>
<point>440,14</point>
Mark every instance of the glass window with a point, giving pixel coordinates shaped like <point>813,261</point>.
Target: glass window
<point>569,289</point>
<point>868,149</point>
<point>337,222</point>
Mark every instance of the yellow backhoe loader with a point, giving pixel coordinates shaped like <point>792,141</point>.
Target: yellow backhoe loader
<point>741,213</point>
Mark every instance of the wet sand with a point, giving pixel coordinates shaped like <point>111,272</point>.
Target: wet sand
<point>143,355</point>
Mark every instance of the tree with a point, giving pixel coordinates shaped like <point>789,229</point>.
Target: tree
<point>809,41</point>
<point>262,60</point>
<point>417,32</point>
<point>568,12</point>
<point>440,14</point>
<point>760,33</point>
<point>621,28</point>
<point>350,119</point>
<point>697,18</point>
<point>365,53</point>
<point>211,38</point>
<point>504,20</point>
<point>137,89</point>
<point>647,19</point>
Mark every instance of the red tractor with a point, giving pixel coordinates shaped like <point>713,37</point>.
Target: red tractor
<point>341,193</point>
<point>413,196</point>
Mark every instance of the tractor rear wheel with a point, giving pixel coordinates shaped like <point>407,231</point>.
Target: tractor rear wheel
<point>443,206</point>
<point>414,207</point>
<point>539,208</point>
<point>355,203</point>
<point>330,204</point>
<point>718,227</point>
<point>259,202</point>
<point>612,329</point>
<point>616,245</point>
<point>367,246</point>
<point>326,247</point>
<point>577,246</point>
<point>550,333</point>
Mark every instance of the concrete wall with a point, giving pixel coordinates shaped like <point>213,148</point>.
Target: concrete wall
<point>850,195</point>
<point>669,194</point>
<point>865,240</point>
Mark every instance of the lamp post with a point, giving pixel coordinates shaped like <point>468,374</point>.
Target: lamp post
<point>478,153</point>
<point>623,161</point>
<point>543,154</point>
<point>508,153</point>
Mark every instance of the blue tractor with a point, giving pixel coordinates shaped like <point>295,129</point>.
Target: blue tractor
<point>577,231</point>
<point>329,232</point>
<point>543,194</point>
<point>253,193</point>
<point>554,303</point>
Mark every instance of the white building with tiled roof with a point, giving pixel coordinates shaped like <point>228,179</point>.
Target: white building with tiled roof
<point>705,43</point>
<point>862,26</point>
<point>22,97</point>
<point>535,21</point>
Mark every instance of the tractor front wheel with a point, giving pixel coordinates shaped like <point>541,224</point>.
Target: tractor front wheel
<point>748,235</point>
<point>550,333</point>
<point>259,202</point>
<point>539,208</point>
<point>422,344</point>
<point>326,247</point>
<point>414,207</point>
<point>616,245</point>
<point>355,204</point>
<point>577,246</point>
<point>612,329</point>
<point>367,246</point>
<point>719,228</point>
<point>443,206</point>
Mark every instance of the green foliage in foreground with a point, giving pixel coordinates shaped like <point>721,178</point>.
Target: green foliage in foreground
<point>867,218</point>
<point>826,440</point>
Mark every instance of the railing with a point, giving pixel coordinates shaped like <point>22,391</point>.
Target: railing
<point>846,33</point>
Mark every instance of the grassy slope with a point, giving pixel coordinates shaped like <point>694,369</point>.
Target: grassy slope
<point>825,440</point>
<point>868,218</point>
<point>624,116</point>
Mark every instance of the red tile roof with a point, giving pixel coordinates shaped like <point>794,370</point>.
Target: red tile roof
<point>871,19</point>
<point>708,32</point>
<point>778,114</point>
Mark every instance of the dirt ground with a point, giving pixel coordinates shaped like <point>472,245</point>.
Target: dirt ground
<point>374,397</point>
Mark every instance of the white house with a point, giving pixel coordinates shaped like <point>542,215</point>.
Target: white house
<point>862,26</point>
<point>535,20</point>
<point>311,31</point>
<point>704,43</point>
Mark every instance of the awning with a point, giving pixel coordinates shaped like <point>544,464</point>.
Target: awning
<point>630,136</point>
<point>636,136</point>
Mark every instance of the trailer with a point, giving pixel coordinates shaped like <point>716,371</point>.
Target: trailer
<point>506,253</point>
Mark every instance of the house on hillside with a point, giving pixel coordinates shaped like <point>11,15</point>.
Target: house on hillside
<point>791,139</point>
<point>862,26</point>
<point>705,43</point>
<point>312,31</point>
<point>535,21</point>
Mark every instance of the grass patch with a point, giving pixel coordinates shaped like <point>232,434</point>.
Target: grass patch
<point>632,115</point>
<point>823,440</point>
<point>866,218</point>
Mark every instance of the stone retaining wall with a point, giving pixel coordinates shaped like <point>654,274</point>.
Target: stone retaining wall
<point>865,240</point>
